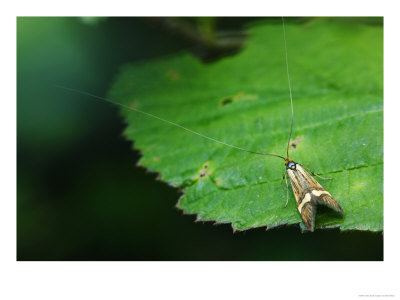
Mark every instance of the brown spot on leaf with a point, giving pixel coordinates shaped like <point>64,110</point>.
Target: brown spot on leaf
<point>226,101</point>
<point>134,104</point>
<point>241,96</point>
<point>294,143</point>
<point>173,75</point>
<point>156,158</point>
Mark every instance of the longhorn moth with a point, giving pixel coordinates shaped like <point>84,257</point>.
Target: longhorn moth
<point>307,191</point>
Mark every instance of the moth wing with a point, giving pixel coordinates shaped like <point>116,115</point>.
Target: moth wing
<point>308,212</point>
<point>327,200</point>
<point>297,188</point>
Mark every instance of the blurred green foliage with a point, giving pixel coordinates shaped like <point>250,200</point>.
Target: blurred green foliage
<point>80,196</point>
<point>337,72</point>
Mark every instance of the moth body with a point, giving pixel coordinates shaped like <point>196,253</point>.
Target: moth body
<point>308,193</point>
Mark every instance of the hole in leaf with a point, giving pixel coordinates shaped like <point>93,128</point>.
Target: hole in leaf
<point>203,171</point>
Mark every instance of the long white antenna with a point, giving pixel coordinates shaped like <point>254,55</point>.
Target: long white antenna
<point>166,121</point>
<point>290,88</point>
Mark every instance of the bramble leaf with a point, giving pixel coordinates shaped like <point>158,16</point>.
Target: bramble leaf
<point>336,72</point>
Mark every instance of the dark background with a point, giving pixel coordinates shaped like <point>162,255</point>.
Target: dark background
<point>80,195</point>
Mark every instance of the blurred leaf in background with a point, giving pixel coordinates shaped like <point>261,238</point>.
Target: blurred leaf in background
<point>80,196</point>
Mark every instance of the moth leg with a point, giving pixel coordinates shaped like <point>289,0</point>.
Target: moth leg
<point>287,190</point>
<point>283,177</point>
<point>326,178</point>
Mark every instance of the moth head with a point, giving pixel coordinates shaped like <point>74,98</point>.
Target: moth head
<point>290,164</point>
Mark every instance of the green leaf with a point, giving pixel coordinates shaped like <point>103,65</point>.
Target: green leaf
<point>337,80</point>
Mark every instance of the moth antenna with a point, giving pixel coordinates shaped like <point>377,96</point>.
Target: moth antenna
<point>290,88</point>
<point>166,121</point>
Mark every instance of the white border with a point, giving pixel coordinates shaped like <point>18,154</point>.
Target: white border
<point>197,280</point>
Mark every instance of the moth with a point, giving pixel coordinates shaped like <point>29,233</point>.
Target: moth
<point>308,193</point>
